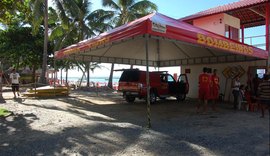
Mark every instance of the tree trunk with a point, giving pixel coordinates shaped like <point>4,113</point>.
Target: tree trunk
<point>61,75</point>
<point>66,75</point>
<point>44,62</point>
<point>34,74</point>
<point>18,64</point>
<point>87,68</point>
<point>80,84</point>
<point>131,66</point>
<point>110,83</point>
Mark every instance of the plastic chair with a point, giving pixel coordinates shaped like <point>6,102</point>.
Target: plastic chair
<point>252,105</point>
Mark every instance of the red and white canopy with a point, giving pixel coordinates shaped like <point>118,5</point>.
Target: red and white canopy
<point>169,42</point>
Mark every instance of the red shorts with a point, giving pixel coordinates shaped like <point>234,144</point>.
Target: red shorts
<point>215,94</point>
<point>204,93</point>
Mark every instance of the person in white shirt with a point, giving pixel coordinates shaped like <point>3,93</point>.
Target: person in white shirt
<point>235,91</point>
<point>14,78</point>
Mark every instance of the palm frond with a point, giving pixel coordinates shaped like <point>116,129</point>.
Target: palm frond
<point>100,15</point>
<point>38,14</point>
<point>126,3</point>
<point>111,4</point>
<point>56,33</point>
<point>61,12</point>
<point>144,6</point>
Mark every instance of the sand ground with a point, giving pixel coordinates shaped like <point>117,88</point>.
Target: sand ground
<point>88,124</point>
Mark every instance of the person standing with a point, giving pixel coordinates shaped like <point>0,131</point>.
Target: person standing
<point>235,91</point>
<point>215,88</point>
<point>204,90</point>
<point>255,82</point>
<point>264,94</point>
<point>14,78</point>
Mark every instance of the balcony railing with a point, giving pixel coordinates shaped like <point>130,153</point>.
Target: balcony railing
<point>256,41</point>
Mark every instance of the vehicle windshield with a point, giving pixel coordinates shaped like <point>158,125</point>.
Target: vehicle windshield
<point>130,76</point>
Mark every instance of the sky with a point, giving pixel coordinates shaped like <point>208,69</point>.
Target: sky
<point>179,8</point>
<point>172,8</point>
<point>176,8</point>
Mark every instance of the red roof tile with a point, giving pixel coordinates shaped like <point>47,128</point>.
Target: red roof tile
<point>225,8</point>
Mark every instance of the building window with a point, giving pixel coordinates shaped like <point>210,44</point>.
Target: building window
<point>231,32</point>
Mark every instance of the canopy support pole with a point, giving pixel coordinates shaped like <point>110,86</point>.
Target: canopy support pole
<point>158,53</point>
<point>54,74</point>
<point>267,27</point>
<point>243,33</point>
<point>147,82</point>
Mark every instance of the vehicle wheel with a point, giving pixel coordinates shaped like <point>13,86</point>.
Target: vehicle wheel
<point>130,99</point>
<point>153,97</point>
<point>181,97</point>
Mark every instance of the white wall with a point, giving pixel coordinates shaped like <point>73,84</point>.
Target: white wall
<point>211,23</point>
<point>216,23</point>
<point>231,21</point>
<point>195,70</point>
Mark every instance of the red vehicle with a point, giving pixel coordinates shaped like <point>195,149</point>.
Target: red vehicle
<point>133,85</point>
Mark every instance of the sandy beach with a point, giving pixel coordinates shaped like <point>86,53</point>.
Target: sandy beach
<point>89,124</point>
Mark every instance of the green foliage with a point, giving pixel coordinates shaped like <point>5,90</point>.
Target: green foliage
<point>128,10</point>
<point>70,22</point>
<point>37,16</point>
<point>19,47</point>
<point>76,22</point>
<point>4,112</point>
<point>125,11</point>
<point>13,11</point>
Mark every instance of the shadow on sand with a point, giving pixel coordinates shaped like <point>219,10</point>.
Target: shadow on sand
<point>177,130</point>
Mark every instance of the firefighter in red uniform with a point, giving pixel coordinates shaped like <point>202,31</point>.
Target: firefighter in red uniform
<point>215,88</point>
<point>204,90</point>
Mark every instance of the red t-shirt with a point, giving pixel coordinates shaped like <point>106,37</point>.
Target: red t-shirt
<point>204,81</point>
<point>215,81</point>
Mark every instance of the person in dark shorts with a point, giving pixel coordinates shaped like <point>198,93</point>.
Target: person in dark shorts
<point>14,78</point>
<point>255,82</point>
<point>264,94</point>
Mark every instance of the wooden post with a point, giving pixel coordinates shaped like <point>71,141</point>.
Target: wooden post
<point>267,27</point>
<point>147,82</point>
<point>242,33</point>
<point>230,35</point>
<point>54,78</point>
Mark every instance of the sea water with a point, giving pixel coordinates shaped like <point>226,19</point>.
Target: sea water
<point>75,80</point>
<point>94,79</point>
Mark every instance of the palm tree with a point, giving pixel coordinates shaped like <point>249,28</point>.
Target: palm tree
<point>45,53</point>
<point>40,13</point>
<point>126,11</point>
<point>77,23</point>
<point>76,15</point>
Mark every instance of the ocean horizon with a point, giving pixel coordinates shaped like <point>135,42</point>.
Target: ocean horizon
<point>101,79</point>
